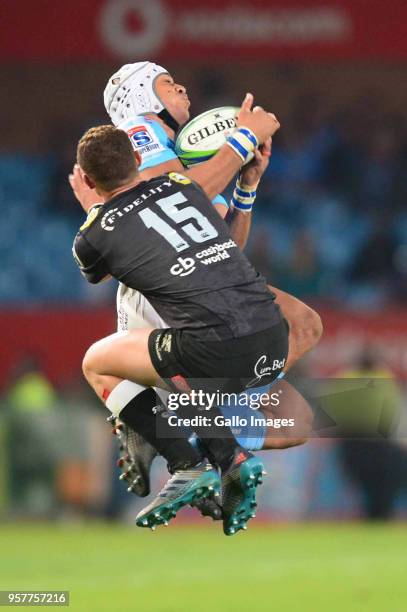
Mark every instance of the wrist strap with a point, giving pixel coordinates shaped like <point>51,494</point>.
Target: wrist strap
<point>243,141</point>
<point>243,197</point>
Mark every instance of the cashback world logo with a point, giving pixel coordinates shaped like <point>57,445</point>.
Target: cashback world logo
<point>213,254</point>
<point>185,266</point>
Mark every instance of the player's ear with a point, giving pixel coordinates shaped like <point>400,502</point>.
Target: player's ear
<point>137,157</point>
<point>89,181</point>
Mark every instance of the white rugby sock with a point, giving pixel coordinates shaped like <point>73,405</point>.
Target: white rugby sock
<point>122,395</point>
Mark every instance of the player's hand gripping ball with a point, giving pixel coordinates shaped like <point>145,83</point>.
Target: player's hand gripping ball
<point>203,136</point>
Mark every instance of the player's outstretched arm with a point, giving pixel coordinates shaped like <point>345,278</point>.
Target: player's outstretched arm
<point>239,216</point>
<point>256,126</point>
<point>213,175</point>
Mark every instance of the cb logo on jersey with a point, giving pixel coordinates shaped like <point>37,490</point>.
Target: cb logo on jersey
<point>185,266</point>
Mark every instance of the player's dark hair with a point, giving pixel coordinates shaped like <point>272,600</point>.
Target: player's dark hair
<point>106,155</point>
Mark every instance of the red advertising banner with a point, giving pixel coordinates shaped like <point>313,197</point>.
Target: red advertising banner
<point>58,339</point>
<point>347,333</point>
<point>184,30</point>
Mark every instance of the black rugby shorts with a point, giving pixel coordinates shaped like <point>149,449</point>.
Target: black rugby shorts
<point>185,361</point>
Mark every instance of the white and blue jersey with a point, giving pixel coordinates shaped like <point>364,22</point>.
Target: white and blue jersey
<point>153,144</point>
<point>133,310</point>
<point>150,140</point>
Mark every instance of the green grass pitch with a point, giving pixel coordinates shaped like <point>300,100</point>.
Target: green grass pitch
<point>304,568</point>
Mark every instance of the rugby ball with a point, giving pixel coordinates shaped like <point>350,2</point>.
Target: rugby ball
<point>202,137</point>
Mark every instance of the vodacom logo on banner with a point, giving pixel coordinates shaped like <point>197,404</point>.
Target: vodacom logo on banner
<point>115,20</point>
<point>141,28</point>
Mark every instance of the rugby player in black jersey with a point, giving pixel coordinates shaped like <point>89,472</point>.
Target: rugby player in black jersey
<point>223,321</point>
<point>160,91</point>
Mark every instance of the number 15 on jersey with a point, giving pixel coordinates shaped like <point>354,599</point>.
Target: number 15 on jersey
<point>201,232</point>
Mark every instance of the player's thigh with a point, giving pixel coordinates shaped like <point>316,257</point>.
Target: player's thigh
<point>125,355</point>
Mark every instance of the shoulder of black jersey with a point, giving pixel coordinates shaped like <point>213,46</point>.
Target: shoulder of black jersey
<point>92,215</point>
<point>178,177</point>
<point>89,259</point>
<point>181,179</point>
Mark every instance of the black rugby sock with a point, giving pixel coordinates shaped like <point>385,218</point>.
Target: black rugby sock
<point>141,414</point>
<point>218,440</point>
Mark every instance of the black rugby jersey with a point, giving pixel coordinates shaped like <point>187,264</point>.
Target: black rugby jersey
<point>165,239</point>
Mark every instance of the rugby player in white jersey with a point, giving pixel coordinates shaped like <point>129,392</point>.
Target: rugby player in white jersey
<point>144,100</point>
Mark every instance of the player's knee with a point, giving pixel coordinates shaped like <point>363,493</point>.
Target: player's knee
<point>308,328</point>
<point>89,364</point>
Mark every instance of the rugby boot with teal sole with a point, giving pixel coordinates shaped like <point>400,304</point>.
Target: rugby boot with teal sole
<point>183,488</point>
<point>136,457</point>
<point>239,487</point>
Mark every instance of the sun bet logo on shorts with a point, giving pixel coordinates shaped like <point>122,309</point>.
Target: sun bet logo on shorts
<point>262,369</point>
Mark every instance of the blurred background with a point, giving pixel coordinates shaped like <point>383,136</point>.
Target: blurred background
<point>330,226</point>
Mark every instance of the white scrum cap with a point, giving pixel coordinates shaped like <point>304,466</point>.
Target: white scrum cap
<point>130,91</point>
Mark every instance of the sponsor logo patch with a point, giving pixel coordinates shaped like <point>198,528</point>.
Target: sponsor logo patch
<point>185,266</point>
<point>261,369</point>
<point>139,136</point>
<point>213,254</point>
<point>163,343</point>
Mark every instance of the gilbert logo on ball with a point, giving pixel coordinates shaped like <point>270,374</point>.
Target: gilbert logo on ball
<point>202,137</point>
